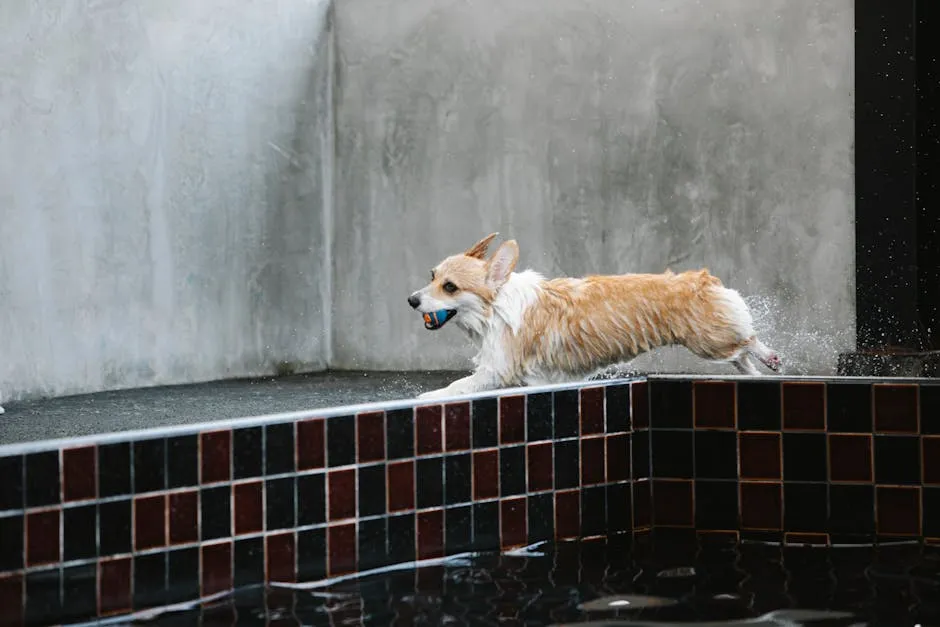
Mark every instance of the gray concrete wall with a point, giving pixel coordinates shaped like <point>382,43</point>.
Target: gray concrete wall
<point>606,136</point>
<point>165,186</point>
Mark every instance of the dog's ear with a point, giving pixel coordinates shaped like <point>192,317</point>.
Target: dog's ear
<point>479,249</point>
<point>501,264</point>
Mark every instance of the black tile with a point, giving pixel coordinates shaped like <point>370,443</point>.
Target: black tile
<point>114,469</point>
<point>11,542</point>
<point>11,488</point>
<point>539,416</point>
<point>617,408</point>
<point>458,529</point>
<point>852,509</point>
<point>401,538</point>
<point>311,554</point>
<point>640,453</point>
<point>279,449</point>
<point>486,525</point>
<point>670,404</point>
<point>149,465</point>
<point>248,558</point>
<point>311,499</point>
<point>458,479</point>
<point>619,508</point>
<point>43,596</point>
<point>79,592</point>
<point>848,407</point>
<point>484,422</point>
<point>247,452</point>
<point>897,459</point>
<point>758,406</point>
<point>215,507</point>
<point>930,409</point>
<point>149,580</point>
<point>512,470</point>
<point>594,511</point>
<point>373,552</point>
<point>183,575</point>
<point>429,479</point>
<point>805,457</point>
<point>716,505</point>
<point>541,516</point>
<point>114,527</point>
<point>80,532</point>
<point>42,479</point>
<point>567,421</point>
<point>400,433</point>
<point>716,454</point>
<point>672,454</point>
<point>371,490</point>
<point>805,507</point>
<point>567,464</point>
<point>279,503</point>
<point>182,461</point>
<point>930,513</point>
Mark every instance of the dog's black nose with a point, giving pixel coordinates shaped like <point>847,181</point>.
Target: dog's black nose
<point>414,301</point>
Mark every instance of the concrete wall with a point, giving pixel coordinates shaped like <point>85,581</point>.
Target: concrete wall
<point>606,136</point>
<point>164,191</point>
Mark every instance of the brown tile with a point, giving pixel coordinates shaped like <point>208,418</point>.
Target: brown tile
<point>540,475</point>
<point>895,408</point>
<point>850,457</point>
<point>760,455</point>
<point>457,426</point>
<point>511,419</point>
<point>592,410</point>
<point>513,526</point>
<point>149,522</point>
<point>401,486</point>
<point>897,511</point>
<point>281,552</point>
<point>216,568</point>
<point>430,541</point>
<point>673,503</point>
<point>429,428</point>
<point>804,406</point>
<point>311,444</point>
<point>114,586</point>
<point>216,455</point>
<point>642,504</point>
<point>184,517</point>
<point>930,447</point>
<point>593,460</point>
<point>714,404</point>
<point>485,475</point>
<point>618,457</point>
<point>79,473</point>
<point>761,506</point>
<point>11,600</point>
<point>42,538</point>
<point>567,514</point>
<point>804,539</point>
<point>341,490</point>
<point>341,549</point>
<point>640,405</point>
<point>249,507</point>
<point>370,436</point>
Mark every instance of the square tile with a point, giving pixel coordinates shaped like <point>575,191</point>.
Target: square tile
<point>149,522</point>
<point>566,414</point>
<point>247,453</point>
<point>618,457</point>
<point>539,416</point>
<point>592,410</point>
<point>311,554</point>
<point>897,511</point>
<point>895,408</point>
<point>849,407</point>
<point>485,524</point>
<point>216,571</point>
<point>401,486</point>
<point>43,598</point>
<point>593,460</point>
<point>716,454</point>
<point>850,458</point>
<point>216,456</point>
<point>540,516</point>
<point>401,538</point>
<point>929,411</point>
<point>79,592</point>
<point>12,597</point>
<point>311,444</point>
<point>149,580</point>
<point>458,529</point>
<point>805,457</point>
<point>79,471</point>
<point>593,511</point>
<point>42,479</point>
<point>930,512</point>
<point>540,464</point>
<point>852,509</point>
<point>457,426</point>
<point>215,513</point>
<point>341,549</point>
<point>512,429</point>
<point>42,538</point>
<point>11,542</point>
<point>429,482</point>
<point>248,562</point>
<point>805,507</point>
<point>640,454</point>
<point>79,533</point>
<point>341,488</point>
<point>114,584</point>
<point>568,514</point>
<point>714,404</point>
<point>430,534</point>
<point>930,447</point>
<point>670,404</point>
<point>458,479</point>
<point>11,488</point>
<point>429,430</point>
<point>759,406</point>
<point>673,503</point>
<point>761,455</point>
<point>280,503</point>
<point>400,433</point>
<point>617,407</point>
<point>673,453</point>
<point>897,459</point>
<point>485,475</point>
<point>370,436</point>
<point>485,423</point>
<point>249,507</point>
<point>149,465</point>
<point>642,504</point>
<point>311,499</point>
<point>182,567</point>
<point>372,550</point>
<point>804,406</point>
<point>371,490</point>
<point>640,405</point>
<point>114,527</point>
<point>114,469</point>
<point>279,449</point>
<point>619,508</point>
<point>567,464</point>
<point>341,441</point>
<point>184,517</point>
<point>182,461</point>
<point>761,506</point>
<point>716,505</point>
<point>512,470</point>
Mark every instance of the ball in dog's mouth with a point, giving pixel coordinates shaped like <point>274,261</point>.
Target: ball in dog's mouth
<point>436,319</point>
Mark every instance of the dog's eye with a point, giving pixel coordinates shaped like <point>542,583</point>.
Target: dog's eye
<point>450,288</point>
<point>432,275</point>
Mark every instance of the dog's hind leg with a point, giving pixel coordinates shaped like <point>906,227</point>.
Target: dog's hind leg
<point>767,355</point>
<point>745,365</point>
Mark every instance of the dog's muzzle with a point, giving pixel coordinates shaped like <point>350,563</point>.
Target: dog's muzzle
<point>436,319</point>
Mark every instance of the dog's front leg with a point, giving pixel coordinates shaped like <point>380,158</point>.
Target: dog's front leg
<point>476,382</point>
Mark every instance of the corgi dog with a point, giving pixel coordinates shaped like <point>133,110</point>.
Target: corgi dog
<point>532,330</point>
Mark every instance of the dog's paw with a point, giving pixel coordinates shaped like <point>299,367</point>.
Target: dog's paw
<point>774,363</point>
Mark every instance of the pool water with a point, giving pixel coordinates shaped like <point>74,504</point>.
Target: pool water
<point>609,582</point>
